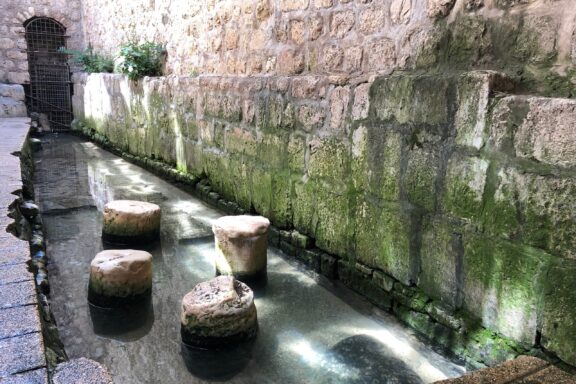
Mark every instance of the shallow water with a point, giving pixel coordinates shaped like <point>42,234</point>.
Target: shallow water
<point>308,333</point>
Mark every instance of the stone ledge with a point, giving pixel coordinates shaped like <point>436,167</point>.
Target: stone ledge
<point>524,369</point>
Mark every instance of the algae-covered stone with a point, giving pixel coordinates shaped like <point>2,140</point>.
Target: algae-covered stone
<point>441,261</point>
<point>537,208</point>
<point>129,221</point>
<point>559,310</point>
<point>119,275</point>
<point>415,99</point>
<point>502,281</point>
<point>384,239</point>
<point>218,313</point>
<point>329,159</point>
<point>241,245</point>
<point>464,186</point>
<point>375,163</point>
<point>419,180</point>
<point>304,215</point>
<point>333,228</point>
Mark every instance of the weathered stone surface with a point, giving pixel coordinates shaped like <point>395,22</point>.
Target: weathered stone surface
<point>19,321</point>
<point>537,208</point>
<point>126,219</point>
<point>241,245</point>
<point>21,353</point>
<point>383,239</point>
<point>474,91</point>
<point>559,299</point>
<point>464,186</point>
<point>547,133</point>
<point>14,274</point>
<point>361,102</point>
<point>38,376</point>
<point>218,312</point>
<point>414,99</point>
<point>81,371</point>
<point>18,294</point>
<point>501,285</point>
<point>121,273</point>
<point>12,91</point>
<point>439,8</point>
<point>441,262</point>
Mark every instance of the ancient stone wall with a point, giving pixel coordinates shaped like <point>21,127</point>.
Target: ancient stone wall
<point>13,14</point>
<point>427,146</point>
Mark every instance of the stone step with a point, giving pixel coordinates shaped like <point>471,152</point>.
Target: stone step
<point>522,370</point>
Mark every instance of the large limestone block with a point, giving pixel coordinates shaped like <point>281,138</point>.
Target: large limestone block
<point>241,245</point>
<point>130,222</point>
<point>120,276</point>
<point>218,312</point>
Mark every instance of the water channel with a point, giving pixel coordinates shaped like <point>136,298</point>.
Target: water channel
<point>311,330</point>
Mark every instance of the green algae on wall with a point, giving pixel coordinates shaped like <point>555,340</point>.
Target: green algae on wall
<point>435,191</point>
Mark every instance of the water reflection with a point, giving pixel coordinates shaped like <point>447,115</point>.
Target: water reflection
<point>217,364</point>
<point>127,323</point>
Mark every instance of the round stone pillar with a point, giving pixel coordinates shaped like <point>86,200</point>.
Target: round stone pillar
<point>130,222</point>
<point>218,313</point>
<point>241,246</point>
<point>120,276</point>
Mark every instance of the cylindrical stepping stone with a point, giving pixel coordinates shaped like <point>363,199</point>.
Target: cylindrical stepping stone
<point>217,313</point>
<point>241,246</point>
<point>130,222</point>
<point>120,276</point>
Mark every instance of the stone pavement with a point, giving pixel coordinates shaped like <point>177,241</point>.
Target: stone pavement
<point>522,370</point>
<point>22,358</point>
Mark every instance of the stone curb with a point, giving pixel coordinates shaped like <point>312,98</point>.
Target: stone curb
<point>25,317</point>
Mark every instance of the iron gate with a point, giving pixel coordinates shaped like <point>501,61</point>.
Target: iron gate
<point>50,86</point>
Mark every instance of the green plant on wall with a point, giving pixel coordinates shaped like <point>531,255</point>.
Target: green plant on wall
<point>91,62</point>
<point>139,60</point>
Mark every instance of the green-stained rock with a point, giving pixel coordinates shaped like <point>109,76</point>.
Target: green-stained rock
<point>375,163</point>
<point>537,209</point>
<point>239,141</point>
<point>502,281</point>
<point>441,261</point>
<point>304,202</point>
<point>281,204</point>
<point>297,153</point>
<point>384,238</point>
<point>272,150</point>
<point>419,180</point>
<point>559,303</point>
<point>329,160</point>
<point>262,191</point>
<point>408,98</point>
<point>334,227</point>
<point>464,186</point>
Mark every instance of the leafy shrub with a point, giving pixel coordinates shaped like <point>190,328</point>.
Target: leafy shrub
<point>139,60</point>
<point>92,62</point>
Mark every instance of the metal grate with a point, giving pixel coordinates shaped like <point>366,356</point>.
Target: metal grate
<point>50,86</point>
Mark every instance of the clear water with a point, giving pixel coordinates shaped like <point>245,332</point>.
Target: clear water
<point>311,330</point>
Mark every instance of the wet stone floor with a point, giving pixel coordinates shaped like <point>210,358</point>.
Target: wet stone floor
<point>308,333</point>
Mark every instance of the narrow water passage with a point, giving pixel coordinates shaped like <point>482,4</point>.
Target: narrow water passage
<point>307,333</point>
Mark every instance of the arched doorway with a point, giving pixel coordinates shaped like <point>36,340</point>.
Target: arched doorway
<point>50,91</point>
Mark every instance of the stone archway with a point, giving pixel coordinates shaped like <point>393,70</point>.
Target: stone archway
<point>49,94</point>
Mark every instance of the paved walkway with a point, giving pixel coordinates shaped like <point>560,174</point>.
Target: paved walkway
<point>22,357</point>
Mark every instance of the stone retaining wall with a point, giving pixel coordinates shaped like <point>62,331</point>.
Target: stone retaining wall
<point>444,197</point>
